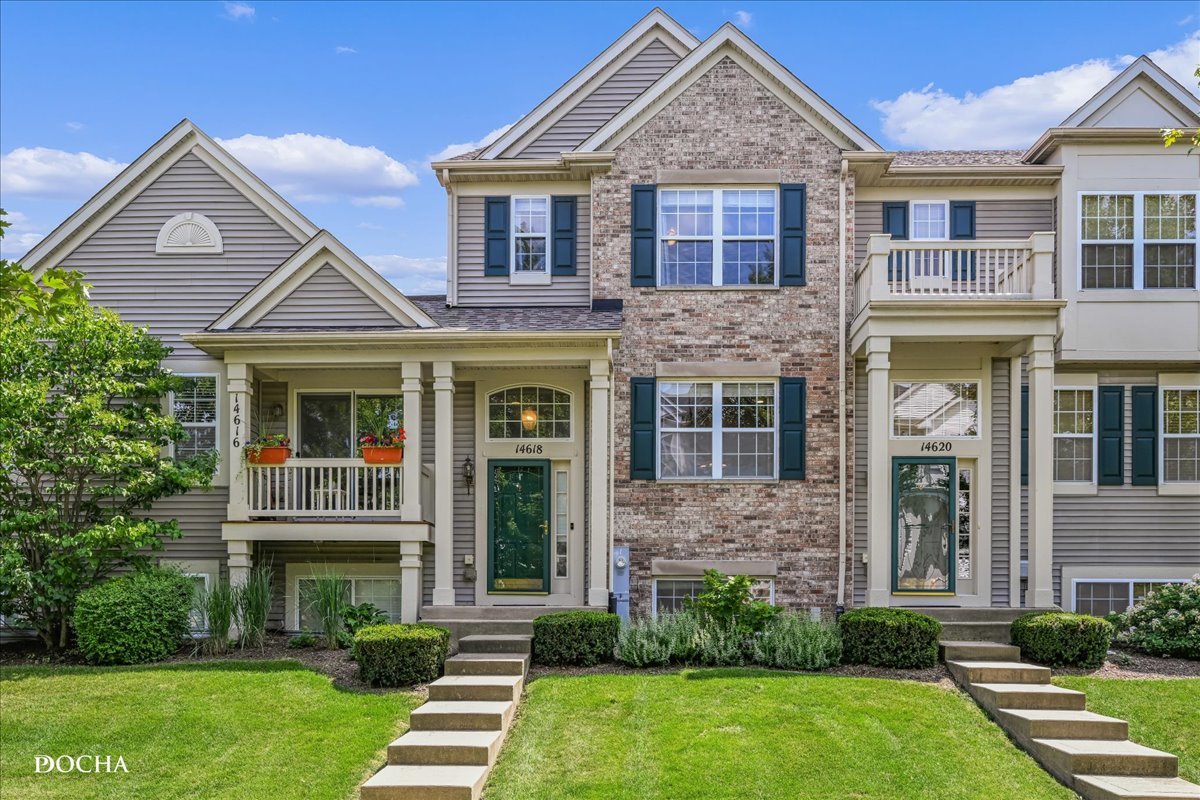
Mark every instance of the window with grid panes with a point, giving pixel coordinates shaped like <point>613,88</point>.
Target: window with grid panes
<point>717,237</point>
<point>1181,435</point>
<point>718,429</point>
<point>194,404</point>
<point>1074,435</point>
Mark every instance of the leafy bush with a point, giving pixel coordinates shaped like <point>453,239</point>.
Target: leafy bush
<point>727,600</point>
<point>400,655</point>
<point>720,644</point>
<point>653,641</point>
<point>363,615</point>
<point>889,637</point>
<point>135,618</point>
<point>580,638</point>
<point>219,606</point>
<point>254,606</point>
<point>1059,639</point>
<point>793,641</point>
<point>302,640</point>
<point>1166,622</point>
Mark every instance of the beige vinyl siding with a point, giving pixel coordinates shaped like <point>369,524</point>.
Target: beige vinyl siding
<point>602,103</point>
<point>200,515</point>
<point>338,556</point>
<point>175,294</point>
<point>861,449</point>
<point>868,219</point>
<point>271,394</point>
<point>994,219</point>
<point>326,299</point>
<point>1001,481</point>
<point>476,289</point>
<point>464,504</point>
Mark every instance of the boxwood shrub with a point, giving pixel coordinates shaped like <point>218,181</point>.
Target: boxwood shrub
<point>400,655</point>
<point>1061,639</point>
<point>889,637</point>
<point>134,618</point>
<point>575,638</point>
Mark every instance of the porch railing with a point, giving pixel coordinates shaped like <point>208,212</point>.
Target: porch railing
<point>325,487</point>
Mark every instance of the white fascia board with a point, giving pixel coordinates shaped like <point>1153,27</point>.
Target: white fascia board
<point>1141,66</point>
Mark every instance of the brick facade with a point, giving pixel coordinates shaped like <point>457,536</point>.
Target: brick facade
<point>729,120</point>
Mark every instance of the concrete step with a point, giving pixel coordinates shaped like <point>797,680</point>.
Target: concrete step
<point>1124,787</point>
<point>446,748</point>
<point>1066,758</point>
<point>1026,724</point>
<point>998,632</point>
<point>957,614</point>
<point>473,627</point>
<point>477,687</point>
<point>395,782</point>
<point>435,613</point>
<point>1027,696</point>
<point>978,651</point>
<point>998,672</point>
<point>494,644</point>
<point>462,715</point>
<point>487,664</point>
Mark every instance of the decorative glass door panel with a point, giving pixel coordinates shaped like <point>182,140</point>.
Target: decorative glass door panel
<point>519,526</point>
<point>924,525</point>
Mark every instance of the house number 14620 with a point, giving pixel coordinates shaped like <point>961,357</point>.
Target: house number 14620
<point>936,447</point>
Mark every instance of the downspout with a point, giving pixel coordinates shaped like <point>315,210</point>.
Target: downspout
<point>842,444</point>
<point>451,230</point>
<point>612,463</point>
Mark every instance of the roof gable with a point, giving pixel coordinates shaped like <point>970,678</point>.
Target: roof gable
<point>1142,96</point>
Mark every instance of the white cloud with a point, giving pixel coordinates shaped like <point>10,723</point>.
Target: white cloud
<point>452,150</point>
<point>239,11</point>
<point>343,50</point>
<point>1013,115</point>
<point>315,168</point>
<point>412,275</point>
<point>74,126</point>
<point>20,237</point>
<point>743,18</point>
<point>45,172</point>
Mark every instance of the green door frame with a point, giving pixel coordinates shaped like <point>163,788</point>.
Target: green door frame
<point>952,565</point>
<point>491,519</point>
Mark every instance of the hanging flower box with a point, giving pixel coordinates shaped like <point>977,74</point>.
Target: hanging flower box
<point>386,448</point>
<point>271,450</point>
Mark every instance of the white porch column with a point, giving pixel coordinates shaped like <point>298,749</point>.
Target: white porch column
<point>1040,590</point>
<point>879,579</point>
<point>241,558</point>
<point>411,583</point>
<point>1042,247</point>
<point>1014,482</point>
<point>410,371</point>
<point>443,461</point>
<point>598,500</point>
<point>240,387</point>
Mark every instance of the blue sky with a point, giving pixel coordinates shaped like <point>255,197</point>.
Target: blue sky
<point>340,106</point>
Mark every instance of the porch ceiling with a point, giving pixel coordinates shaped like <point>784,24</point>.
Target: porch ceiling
<point>945,321</point>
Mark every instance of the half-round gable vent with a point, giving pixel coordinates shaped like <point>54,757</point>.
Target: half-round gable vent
<point>189,233</point>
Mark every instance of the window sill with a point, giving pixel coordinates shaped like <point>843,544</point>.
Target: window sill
<point>1179,489</point>
<point>529,279</point>
<point>1080,488</point>
<point>719,481</point>
<point>739,288</point>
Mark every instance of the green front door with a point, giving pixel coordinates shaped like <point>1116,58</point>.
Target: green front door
<point>519,526</point>
<point>924,525</point>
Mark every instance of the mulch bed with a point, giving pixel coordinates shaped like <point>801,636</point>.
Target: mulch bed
<point>1129,665</point>
<point>937,674</point>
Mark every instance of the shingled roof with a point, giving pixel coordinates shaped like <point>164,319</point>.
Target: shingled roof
<point>957,158</point>
<point>516,318</point>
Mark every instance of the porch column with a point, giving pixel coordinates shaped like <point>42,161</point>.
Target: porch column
<point>1040,591</point>
<point>879,591</point>
<point>410,372</point>
<point>240,387</point>
<point>241,558</point>
<point>1014,482</point>
<point>598,500</point>
<point>443,467</point>
<point>411,582</point>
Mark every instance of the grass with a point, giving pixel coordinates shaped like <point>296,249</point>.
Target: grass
<point>1162,712</point>
<point>236,730</point>
<point>757,734</point>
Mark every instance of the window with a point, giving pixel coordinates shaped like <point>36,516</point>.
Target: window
<point>330,424</point>
<point>562,523</point>
<point>1074,435</point>
<point>673,594</point>
<point>1138,240</point>
<point>196,618</point>
<point>930,221</point>
<point>1112,596</point>
<point>717,237</point>
<point>938,410</point>
<point>722,429</point>
<point>529,412</point>
<point>963,551</point>
<point>383,593</point>
<point>530,225</point>
<point>1181,435</point>
<point>194,404</point>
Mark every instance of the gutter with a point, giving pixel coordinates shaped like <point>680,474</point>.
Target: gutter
<point>842,444</point>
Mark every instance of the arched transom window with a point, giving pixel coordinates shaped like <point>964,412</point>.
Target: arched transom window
<point>189,233</point>
<point>529,412</point>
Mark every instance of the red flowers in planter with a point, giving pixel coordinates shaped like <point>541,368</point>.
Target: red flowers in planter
<point>385,448</point>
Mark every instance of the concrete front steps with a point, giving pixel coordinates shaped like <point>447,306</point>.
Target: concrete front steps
<point>974,624</point>
<point>463,621</point>
<point>454,738</point>
<point>1088,752</point>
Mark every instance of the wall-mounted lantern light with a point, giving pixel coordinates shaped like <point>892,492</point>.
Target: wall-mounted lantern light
<point>529,418</point>
<point>468,474</point>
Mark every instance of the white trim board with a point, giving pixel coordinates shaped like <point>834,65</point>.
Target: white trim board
<point>1142,66</point>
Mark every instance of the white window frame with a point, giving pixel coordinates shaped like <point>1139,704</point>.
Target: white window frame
<point>562,522</point>
<point>535,277</point>
<point>1161,422</point>
<point>351,577</point>
<point>294,413</point>
<point>1129,585</point>
<point>487,416</point>
<point>216,423</point>
<point>1094,436</point>
<point>207,586</point>
<point>979,409</point>
<point>717,237</point>
<point>912,220</point>
<point>716,430</point>
<point>1139,241</point>
<point>769,580</point>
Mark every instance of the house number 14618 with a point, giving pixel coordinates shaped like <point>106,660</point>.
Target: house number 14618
<point>528,449</point>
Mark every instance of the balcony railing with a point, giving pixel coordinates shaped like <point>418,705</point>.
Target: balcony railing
<point>996,269</point>
<point>328,488</point>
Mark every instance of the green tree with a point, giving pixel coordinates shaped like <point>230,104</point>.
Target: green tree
<point>1172,135</point>
<point>60,290</point>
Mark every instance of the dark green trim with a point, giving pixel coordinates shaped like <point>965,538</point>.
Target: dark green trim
<point>1024,434</point>
<point>895,222</point>
<point>1110,426</point>
<point>491,518</point>
<point>562,247</point>
<point>643,406</point>
<point>793,402</point>
<point>793,228</point>
<point>495,236</point>
<point>962,226</point>
<point>952,553</point>
<point>1143,432</point>
<point>643,228</point>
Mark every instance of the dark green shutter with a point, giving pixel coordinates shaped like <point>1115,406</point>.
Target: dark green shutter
<point>495,236</point>
<point>1111,428</point>
<point>1024,435</point>
<point>563,235</point>
<point>642,228</point>
<point>793,215</point>
<point>895,222</point>
<point>962,227</point>
<point>1144,435</point>
<point>792,402</point>
<point>643,404</point>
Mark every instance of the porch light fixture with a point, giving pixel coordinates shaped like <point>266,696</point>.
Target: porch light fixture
<point>529,418</point>
<point>468,474</point>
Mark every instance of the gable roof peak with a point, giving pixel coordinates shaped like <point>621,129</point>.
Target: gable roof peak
<point>1141,66</point>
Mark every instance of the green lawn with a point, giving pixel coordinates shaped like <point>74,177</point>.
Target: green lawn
<point>757,734</point>
<point>233,730</point>
<point>1162,713</point>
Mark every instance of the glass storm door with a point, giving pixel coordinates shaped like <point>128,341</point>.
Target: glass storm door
<point>924,518</point>
<point>519,527</point>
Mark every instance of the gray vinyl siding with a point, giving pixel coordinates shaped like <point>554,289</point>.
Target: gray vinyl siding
<point>464,503</point>
<point>861,449</point>
<point>200,514</point>
<point>1001,484</point>
<point>271,394</point>
<point>868,219</point>
<point>603,102</point>
<point>176,294</point>
<point>994,219</point>
<point>278,555</point>
<point>326,298</point>
<point>476,289</point>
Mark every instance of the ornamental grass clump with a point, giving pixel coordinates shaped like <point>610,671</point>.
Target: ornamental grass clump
<point>1061,639</point>
<point>794,641</point>
<point>218,607</point>
<point>1166,622</point>
<point>254,606</point>
<point>328,601</point>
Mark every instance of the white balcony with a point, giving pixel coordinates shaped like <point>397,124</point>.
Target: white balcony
<point>341,489</point>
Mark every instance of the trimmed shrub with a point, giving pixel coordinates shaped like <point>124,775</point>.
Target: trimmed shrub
<point>135,618</point>
<point>793,641</point>
<point>889,637</point>
<point>1061,639</point>
<point>400,655</point>
<point>575,638</point>
<point>1166,622</point>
